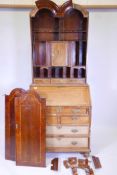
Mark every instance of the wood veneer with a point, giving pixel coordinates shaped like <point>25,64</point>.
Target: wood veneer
<point>30,130</point>
<point>10,140</point>
<point>25,128</point>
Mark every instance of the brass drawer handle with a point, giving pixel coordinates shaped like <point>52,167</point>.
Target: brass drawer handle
<point>59,126</point>
<point>59,109</point>
<point>60,137</point>
<point>74,130</point>
<point>74,143</point>
<point>74,118</point>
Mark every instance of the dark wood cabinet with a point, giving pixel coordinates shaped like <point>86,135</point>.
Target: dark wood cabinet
<point>59,41</point>
<point>25,128</point>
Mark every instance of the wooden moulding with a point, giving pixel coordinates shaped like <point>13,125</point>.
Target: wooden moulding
<point>28,6</point>
<point>96,162</point>
<point>75,163</point>
<point>58,11</point>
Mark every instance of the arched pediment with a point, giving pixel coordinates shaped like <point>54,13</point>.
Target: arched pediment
<point>58,11</point>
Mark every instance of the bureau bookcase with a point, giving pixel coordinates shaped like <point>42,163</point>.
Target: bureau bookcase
<point>59,47</point>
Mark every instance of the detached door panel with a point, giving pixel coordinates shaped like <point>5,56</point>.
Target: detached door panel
<point>30,130</point>
<point>10,123</point>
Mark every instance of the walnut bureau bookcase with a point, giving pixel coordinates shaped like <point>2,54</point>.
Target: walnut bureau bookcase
<point>59,47</point>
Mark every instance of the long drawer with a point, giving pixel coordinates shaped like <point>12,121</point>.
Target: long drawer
<point>67,142</point>
<point>73,120</point>
<point>67,130</point>
<point>67,110</point>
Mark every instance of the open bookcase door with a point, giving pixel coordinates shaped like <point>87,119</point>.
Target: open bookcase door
<point>10,123</point>
<point>30,130</point>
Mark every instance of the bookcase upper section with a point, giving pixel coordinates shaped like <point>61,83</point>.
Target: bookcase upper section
<point>59,42</point>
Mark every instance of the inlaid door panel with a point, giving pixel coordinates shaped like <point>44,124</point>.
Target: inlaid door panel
<point>30,130</point>
<point>10,123</point>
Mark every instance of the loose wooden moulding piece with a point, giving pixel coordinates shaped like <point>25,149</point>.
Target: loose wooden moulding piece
<point>75,164</point>
<point>54,163</point>
<point>27,137</point>
<point>96,162</point>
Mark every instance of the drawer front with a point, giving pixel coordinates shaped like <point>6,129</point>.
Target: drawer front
<point>64,110</point>
<point>74,110</point>
<point>67,142</point>
<point>67,130</point>
<point>52,109</point>
<point>41,81</point>
<point>73,120</point>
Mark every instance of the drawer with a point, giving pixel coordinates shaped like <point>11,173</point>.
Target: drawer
<point>73,120</point>
<point>74,110</point>
<point>67,130</point>
<point>53,109</point>
<point>41,81</point>
<point>67,142</point>
<point>64,110</point>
